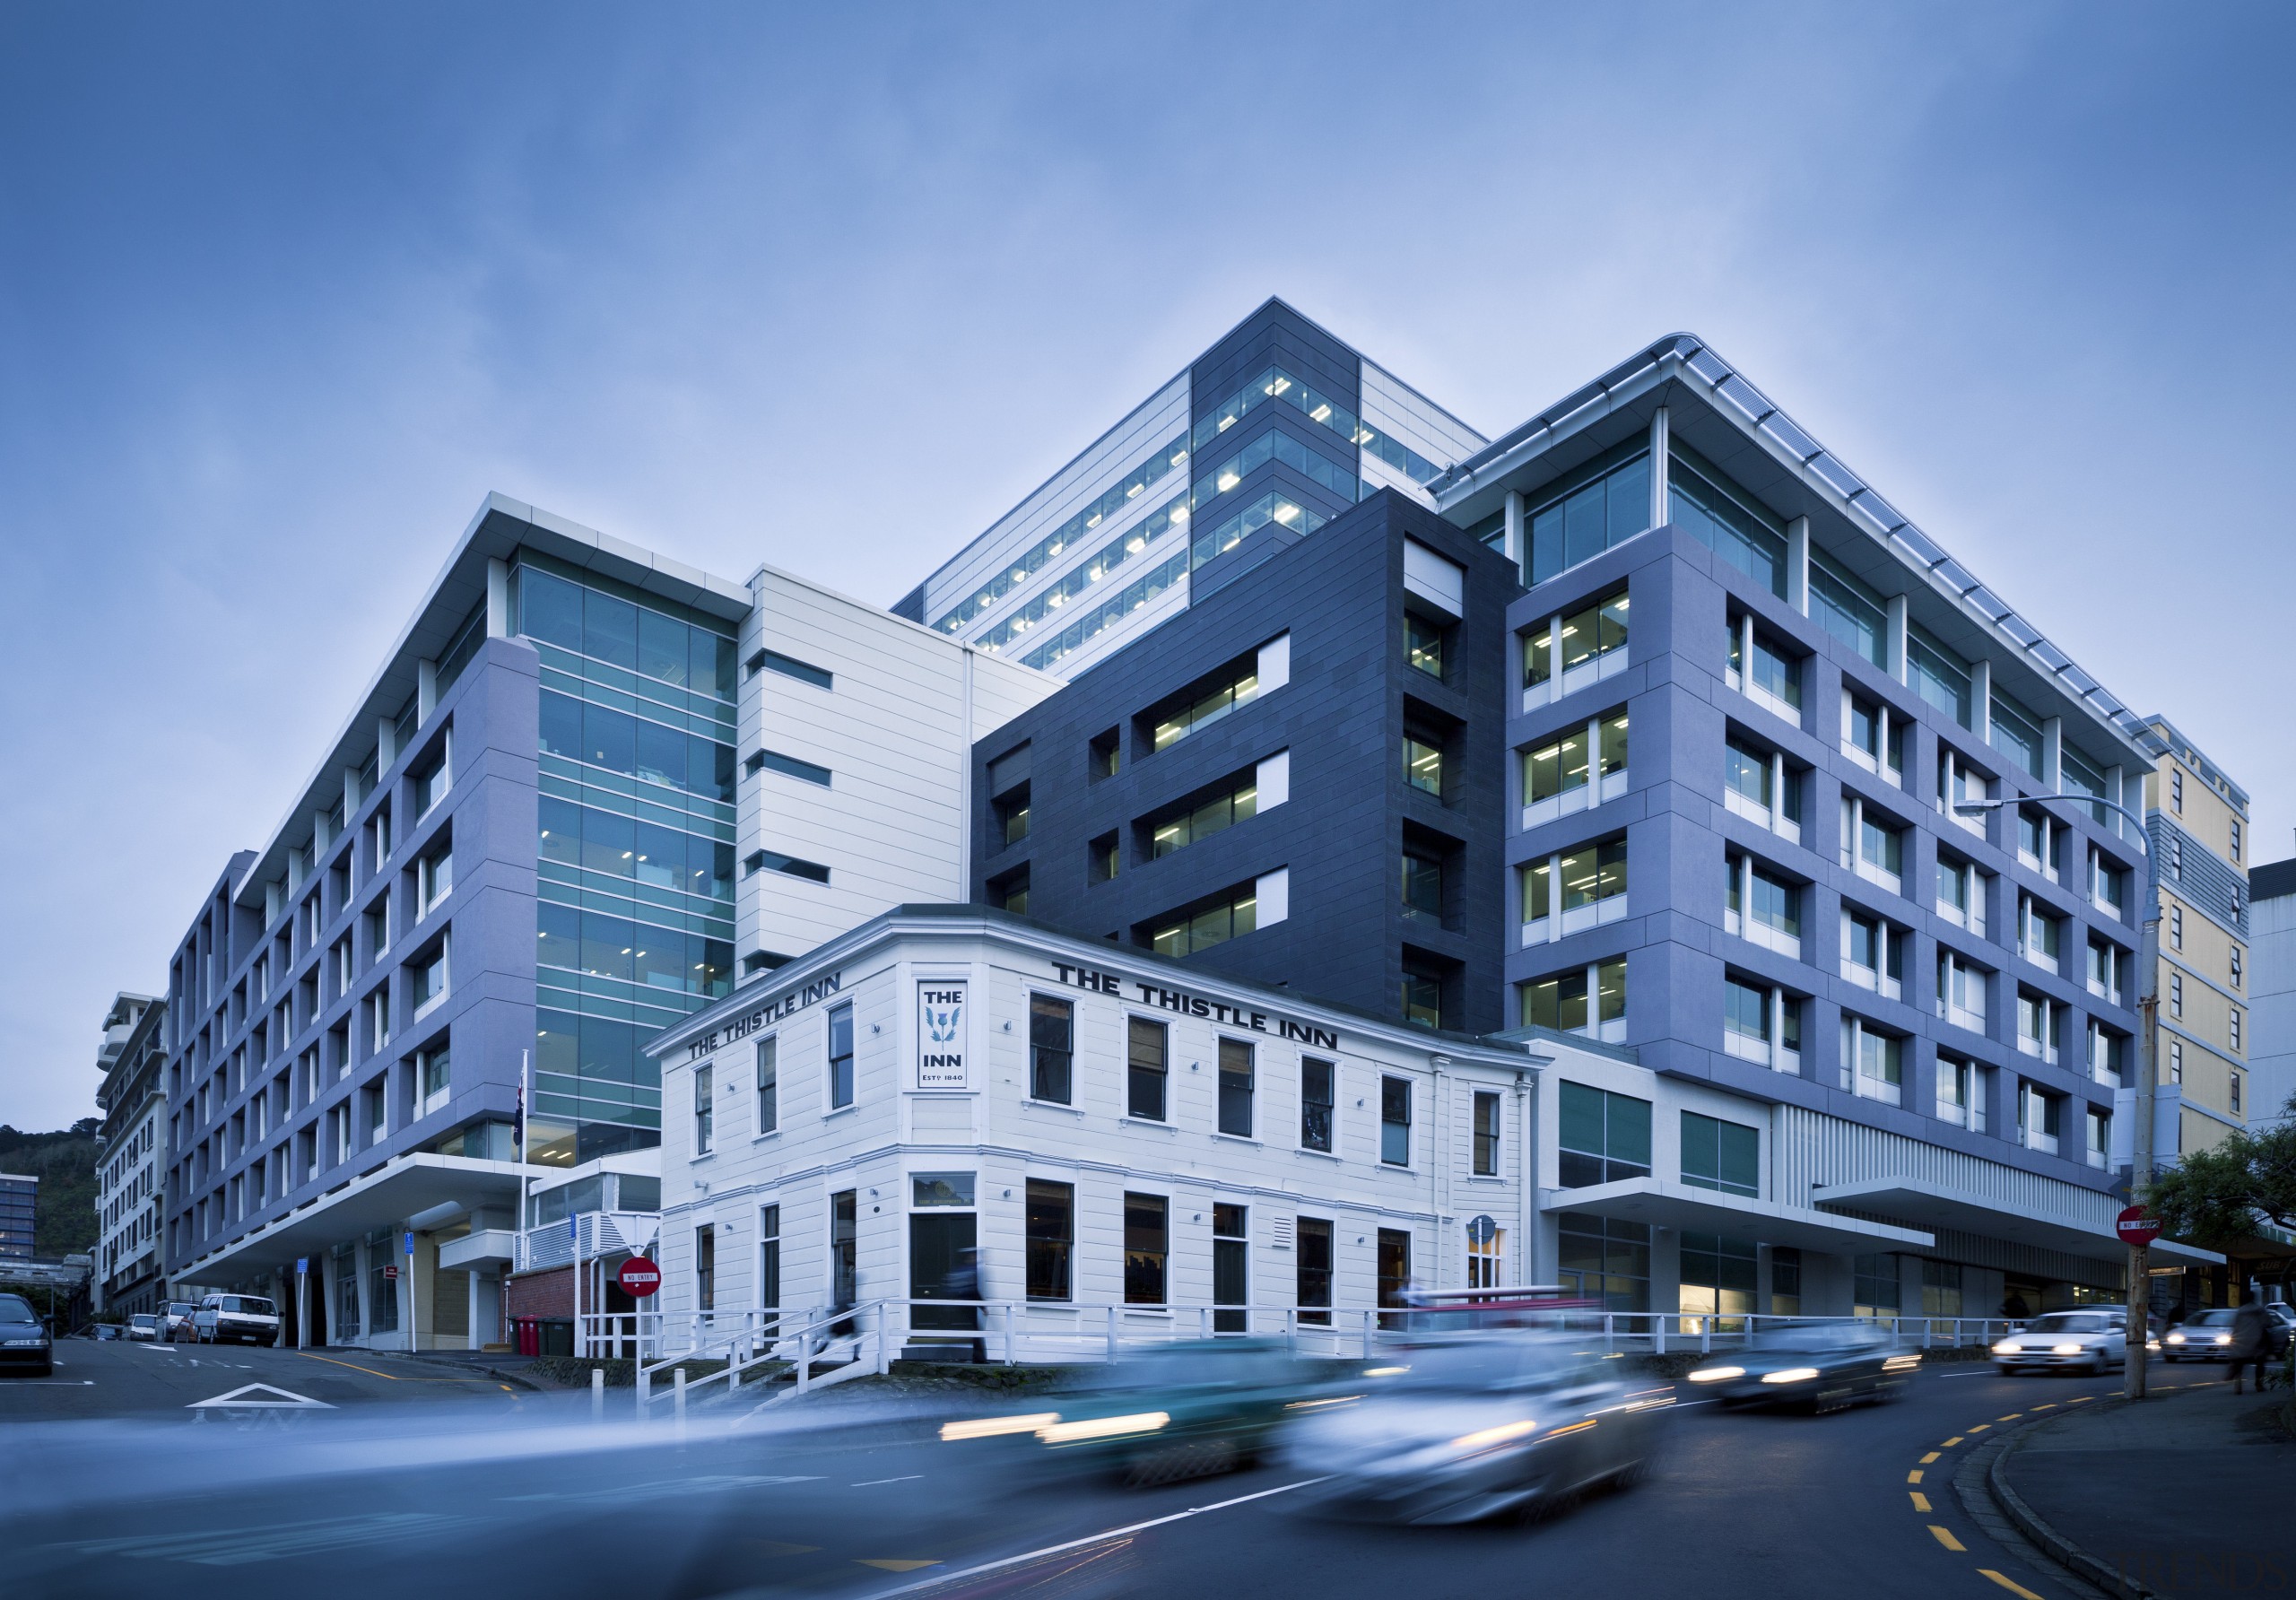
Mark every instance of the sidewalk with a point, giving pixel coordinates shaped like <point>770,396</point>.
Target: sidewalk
<point>2192,1493</point>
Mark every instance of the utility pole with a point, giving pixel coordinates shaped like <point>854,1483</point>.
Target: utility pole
<point>2148,1017</point>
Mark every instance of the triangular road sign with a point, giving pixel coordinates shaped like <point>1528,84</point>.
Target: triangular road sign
<point>261,1396</point>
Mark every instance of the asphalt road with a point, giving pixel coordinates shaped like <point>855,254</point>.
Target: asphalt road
<point>846,1503</point>
<point>116,1378</point>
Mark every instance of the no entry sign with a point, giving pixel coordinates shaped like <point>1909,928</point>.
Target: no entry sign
<point>2138,1226</point>
<point>638,1277</point>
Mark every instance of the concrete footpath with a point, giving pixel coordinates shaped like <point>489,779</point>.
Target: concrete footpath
<point>2191,1493</point>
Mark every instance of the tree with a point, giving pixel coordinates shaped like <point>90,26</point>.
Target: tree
<point>2213,1197</point>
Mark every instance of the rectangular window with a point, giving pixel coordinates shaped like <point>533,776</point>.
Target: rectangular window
<point>1726,522</point>
<point>1222,812</point>
<point>371,1107</point>
<point>1103,858</point>
<point>1422,765</point>
<point>2016,734</point>
<point>1052,1048</point>
<point>1318,1098</point>
<point>1606,1258</point>
<point>1146,1069</point>
<point>705,1109</point>
<point>1937,675</point>
<point>789,667</point>
<point>769,1257</point>
<point>1717,1276</point>
<point>840,1055</point>
<point>761,861</point>
<point>1236,1080</point>
<point>1395,1121</point>
<point>1486,1133</point>
<point>1105,755</point>
<point>2233,1022</point>
<point>1052,1238</point>
<point>768,1084</point>
<point>1721,1155</point>
<point>2176,994</point>
<point>1145,1238</point>
<point>1602,1137</point>
<point>1846,608</point>
<point>1590,513</point>
<point>1238,689</point>
<point>430,977</point>
<point>1874,1286</point>
<point>788,766</point>
<point>1393,1263</point>
<point>1312,1281</point>
<point>1873,1061</point>
<point>2175,1061</point>
<point>704,1268</point>
<point>1961,1093</point>
<point>435,1072</point>
<point>1423,889</point>
<point>435,881</point>
<point>2236,839</point>
<point>1013,816</point>
<point>2176,928</point>
<point>1231,916</point>
<point>1422,644</point>
<point>1231,1268</point>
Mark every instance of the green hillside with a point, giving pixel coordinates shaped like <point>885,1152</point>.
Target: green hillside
<point>64,1163</point>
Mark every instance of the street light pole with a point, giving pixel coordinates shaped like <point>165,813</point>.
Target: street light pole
<point>2148,1016</point>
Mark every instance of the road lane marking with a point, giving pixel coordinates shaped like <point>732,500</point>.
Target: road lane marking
<point>872,1483</point>
<point>1914,1476</point>
<point>2083,1400</point>
<point>1952,1441</point>
<point>1920,1500</point>
<point>2015,1588</point>
<point>388,1376</point>
<point>1945,1537</point>
<point>2050,1406</point>
<point>1091,1539</point>
<point>2011,1417</point>
<point>1926,1460</point>
<point>1980,1428</point>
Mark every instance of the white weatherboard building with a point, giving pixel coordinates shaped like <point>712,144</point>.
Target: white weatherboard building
<point>1136,1150</point>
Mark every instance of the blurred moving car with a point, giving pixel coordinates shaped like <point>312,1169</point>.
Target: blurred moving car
<point>24,1339</point>
<point>1827,1366</point>
<point>1186,1410</point>
<point>144,1325</point>
<point>101,1331</point>
<point>1475,1426</point>
<point>2085,1341</point>
<point>236,1319</point>
<point>175,1321</point>
<point>2203,1336</point>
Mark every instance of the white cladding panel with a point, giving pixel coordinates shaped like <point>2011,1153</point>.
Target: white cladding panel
<point>1274,780</point>
<point>1434,578</point>
<point>896,730</point>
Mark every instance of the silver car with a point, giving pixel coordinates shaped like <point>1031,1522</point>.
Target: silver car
<point>1475,1428</point>
<point>2080,1341</point>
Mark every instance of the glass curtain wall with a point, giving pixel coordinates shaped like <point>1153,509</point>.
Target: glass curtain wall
<point>635,915</point>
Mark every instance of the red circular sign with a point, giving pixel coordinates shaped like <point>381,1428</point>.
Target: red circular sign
<point>2138,1226</point>
<point>638,1277</point>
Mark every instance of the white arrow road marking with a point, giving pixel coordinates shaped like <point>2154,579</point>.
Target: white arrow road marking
<point>258,1395</point>
<point>236,1547</point>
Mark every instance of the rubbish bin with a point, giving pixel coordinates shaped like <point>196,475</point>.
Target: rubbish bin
<point>527,1334</point>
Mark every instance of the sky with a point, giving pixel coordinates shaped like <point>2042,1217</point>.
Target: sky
<point>285,290</point>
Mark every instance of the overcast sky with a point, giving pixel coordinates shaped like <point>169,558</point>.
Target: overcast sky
<point>285,290</point>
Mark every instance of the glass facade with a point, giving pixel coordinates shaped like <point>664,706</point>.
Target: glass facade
<point>1277,387</point>
<point>1118,552</point>
<point>1605,506</point>
<point>1726,522</point>
<point>1847,609</point>
<point>634,928</point>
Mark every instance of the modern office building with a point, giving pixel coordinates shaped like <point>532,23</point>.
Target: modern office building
<point>1296,780</point>
<point>128,1276</point>
<point>2272,1008</point>
<point>19,1209</point>
<point>1278,425</point>
<point>585,788</point>
<point>2197,820</point>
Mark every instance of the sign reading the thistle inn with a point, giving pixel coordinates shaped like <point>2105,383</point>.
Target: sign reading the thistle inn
<point>941,1035</point>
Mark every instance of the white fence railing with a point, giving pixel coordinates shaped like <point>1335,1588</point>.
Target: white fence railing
<point>1040,1334</point>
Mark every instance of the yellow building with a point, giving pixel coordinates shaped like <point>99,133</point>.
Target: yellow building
<point>2198,822</point>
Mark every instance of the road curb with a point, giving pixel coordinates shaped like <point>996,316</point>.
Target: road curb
<point>2045,1538</point>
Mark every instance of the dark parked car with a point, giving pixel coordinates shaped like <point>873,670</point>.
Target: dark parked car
<point>1825,1365</point>
<point>1478,1427</point>
<point>24,1341</point>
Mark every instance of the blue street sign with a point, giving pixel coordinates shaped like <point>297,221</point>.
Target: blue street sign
<point>409,1244</point>
<point>303,1266</point>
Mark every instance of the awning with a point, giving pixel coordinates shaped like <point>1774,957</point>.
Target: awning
<point>1935,1205</point>
<point>1666,1204</point>
<point>407,1186</point>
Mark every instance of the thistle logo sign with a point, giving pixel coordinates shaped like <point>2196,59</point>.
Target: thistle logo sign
<point>941,1036</point>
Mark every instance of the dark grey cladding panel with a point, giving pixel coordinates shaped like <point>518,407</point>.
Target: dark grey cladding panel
<point>1338,592</point>
<point>1276,336</point>
<point>911,605</point>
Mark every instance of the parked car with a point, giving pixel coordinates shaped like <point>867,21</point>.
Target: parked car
<point>1477,1426</point>
<point>2082,1341</point>
<point>236,1319</point>
<point>24,1341</point>
<point>1826,1366</point>
<point>144,1325</point>
<point>175,1321</point>
<point>100,1331</point>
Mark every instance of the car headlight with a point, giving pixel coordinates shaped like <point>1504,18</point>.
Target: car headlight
<point>1061,1433</point>
<point>1790,1375</point>
<point>2064,1350</point>
<point>26,1343</point>
<point>2224,1338</point>
<point>2176,1338</point>
<point>991,1427</point>
<point>2008,1347</point>
<point>1483,1438</point>
<point>1716,1374</point>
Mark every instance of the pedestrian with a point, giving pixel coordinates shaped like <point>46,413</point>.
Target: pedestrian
<point>2015,1308</point>
<point>963,1283</point>
<point>2251,1341</point>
